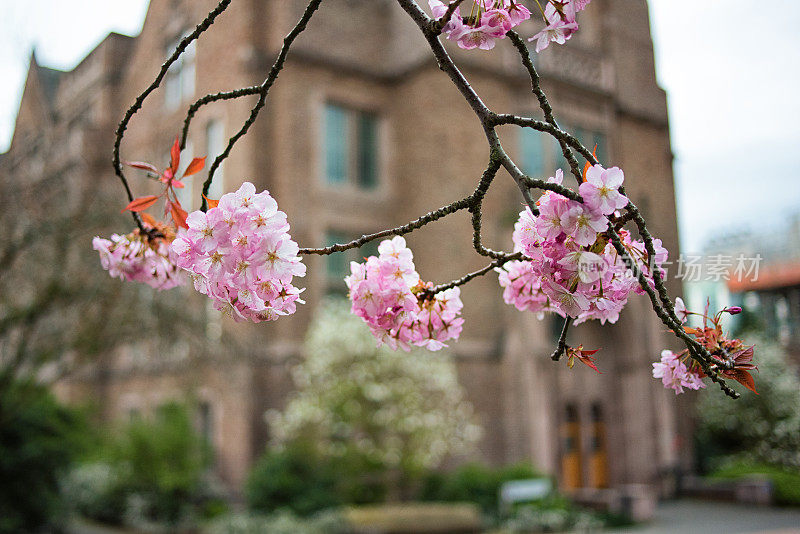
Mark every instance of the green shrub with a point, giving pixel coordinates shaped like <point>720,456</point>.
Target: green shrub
<point>542,518</point>
<point>295,478</point>
<point>785,482</point>
<point>474,482</point>
<point>95,490</point>
<point>38,440</point>
<point>283,522</point>
<point>152,473</point>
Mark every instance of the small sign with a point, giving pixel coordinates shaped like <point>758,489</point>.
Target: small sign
<point>525,490</point>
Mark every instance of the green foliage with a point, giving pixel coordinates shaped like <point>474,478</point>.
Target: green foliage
<point>474,482</point>
<point>550,517</point>
<point>762,428</point>
<point>152,472</point>
<point>295,478</point>
<point>785,482</point>
<point>38,440</point>
<point>96,490</point>
<point>283,522</point>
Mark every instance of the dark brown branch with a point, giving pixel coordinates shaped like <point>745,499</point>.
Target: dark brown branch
<point>480,272</point>
<point>544,104</point>
<point>311,8</point>
<point>209,99</point>
<point>562,340</point>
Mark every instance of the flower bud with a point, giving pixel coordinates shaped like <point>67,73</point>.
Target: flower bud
<point>733,310</point>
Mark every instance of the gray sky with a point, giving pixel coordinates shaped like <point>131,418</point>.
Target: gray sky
<point>731,72</point>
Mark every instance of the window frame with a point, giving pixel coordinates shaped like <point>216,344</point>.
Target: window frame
<point>357,157</point>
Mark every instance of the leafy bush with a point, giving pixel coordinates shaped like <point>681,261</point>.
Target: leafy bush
<point>283,522</point>
<point>474,482</point>
<point>756,429</point>
<point>38,440</point>
<point>95,490</point>
<point>546,518</point>
<point>296,478</point>
<point>151,474</point>
<point>785,482</point>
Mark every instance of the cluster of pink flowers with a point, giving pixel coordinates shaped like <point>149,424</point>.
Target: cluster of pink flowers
<point>573,269</point>
<point>490,20</point>
<point>675,374</point>
<point>240,254</point>
<point>387,293</point>
<point>139,258</point>
<point>561,19</point>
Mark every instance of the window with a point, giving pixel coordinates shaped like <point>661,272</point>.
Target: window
<point>532,152</point>
<point>540,153</point>
<point>337,265</point>
<point>350,147</point>
<point>180,78</point>
<point>215,145</point>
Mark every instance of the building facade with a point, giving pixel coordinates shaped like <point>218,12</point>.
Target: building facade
<point>363,132</point>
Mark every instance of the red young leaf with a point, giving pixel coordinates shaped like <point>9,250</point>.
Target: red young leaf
<point>178,214</point>
<point>175,156</point>
<point>195,166</point>
<point>141,203</point>
<point>211,203</point>
<point>745,379</point>
<point>149,219</point>
<point>142,165</point>
<point>178,184</point>
<point>588,166</point>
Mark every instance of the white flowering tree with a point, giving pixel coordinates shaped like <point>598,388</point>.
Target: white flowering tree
<point>370,406</point>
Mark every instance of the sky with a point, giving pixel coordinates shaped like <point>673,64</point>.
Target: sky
<point>732,74</point>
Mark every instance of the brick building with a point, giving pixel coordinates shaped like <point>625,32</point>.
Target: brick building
<point>362,132</point>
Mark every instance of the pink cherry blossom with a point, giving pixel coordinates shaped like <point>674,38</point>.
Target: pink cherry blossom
<point>600,190</point>
<point>139,258</point>
<point>582,224</point>
<point>557,32</point>
<point>241,255</point>
<point>674,374</point>
<point>681,311</point>
<point>387,294</point>
<point>564,271</point>
<point>493,20</point>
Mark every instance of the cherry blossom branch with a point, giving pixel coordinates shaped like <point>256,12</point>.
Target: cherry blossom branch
<point>264,88</point>
<point>545,106</point>
<point>472,202</point>
<point>489,120</point>
<point>562,340</point>
<point>137,104</point>
<point>499,158</point>
<point>475,274</point>
<point>209,99</point>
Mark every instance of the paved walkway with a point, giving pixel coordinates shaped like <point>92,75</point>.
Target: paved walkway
<point>705,517</point>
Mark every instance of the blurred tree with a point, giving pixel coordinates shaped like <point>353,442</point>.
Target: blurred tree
<point>762,428</point>
<point>381,414</point>
<point>38,440</point>
<point>58,307</point>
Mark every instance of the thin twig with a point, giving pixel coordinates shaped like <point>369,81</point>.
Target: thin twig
<point>137,104</point>
<point>311,8</point>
